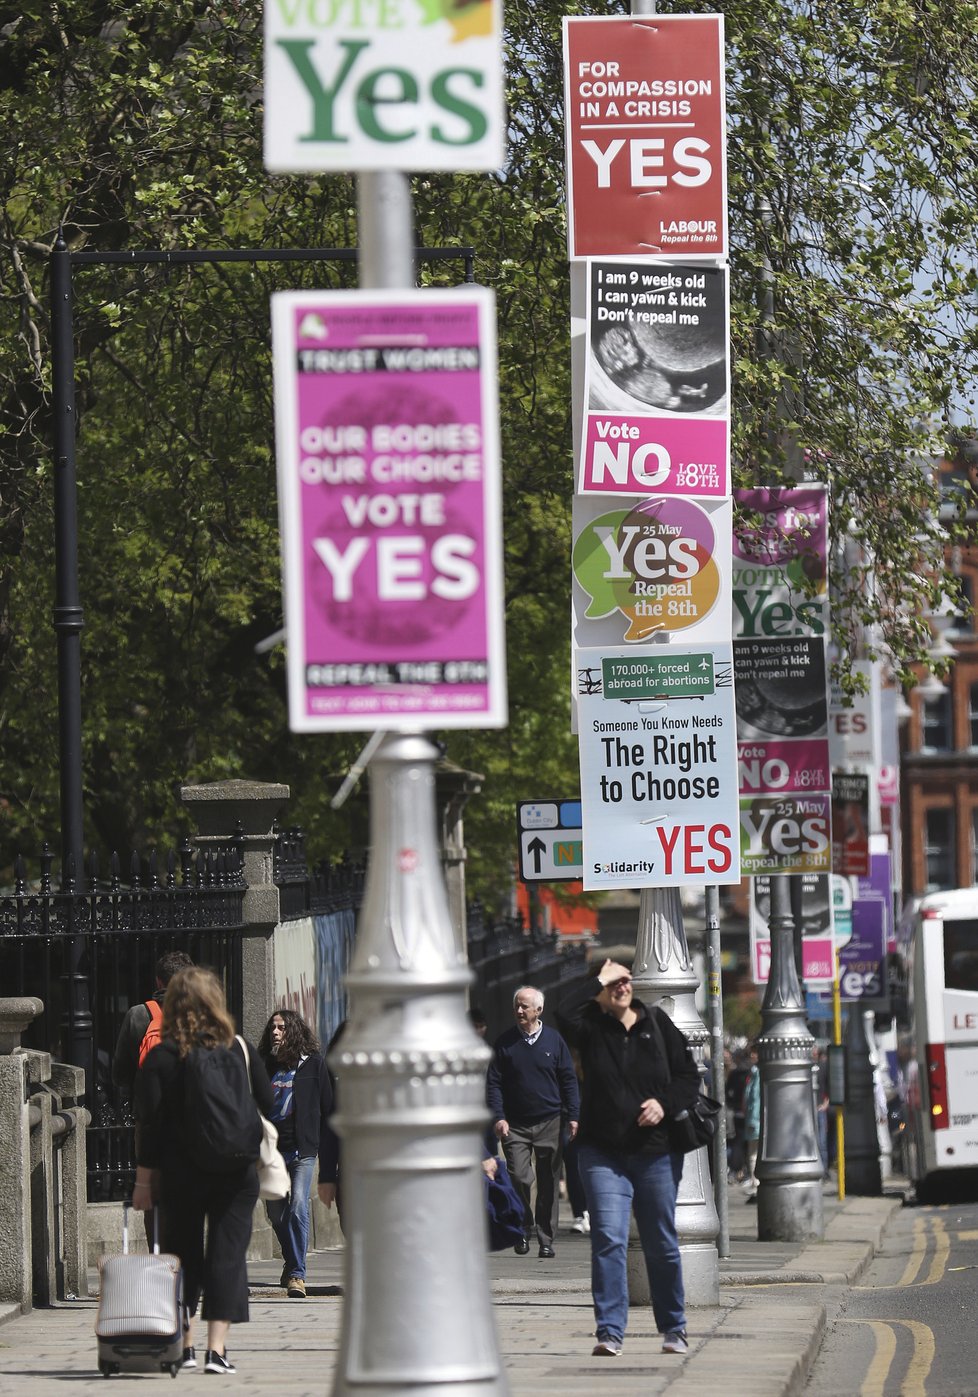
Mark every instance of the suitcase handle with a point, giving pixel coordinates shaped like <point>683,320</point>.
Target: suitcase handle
<point>125,1228</point>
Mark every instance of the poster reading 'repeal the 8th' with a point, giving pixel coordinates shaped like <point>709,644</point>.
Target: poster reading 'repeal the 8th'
<point>389,495</point>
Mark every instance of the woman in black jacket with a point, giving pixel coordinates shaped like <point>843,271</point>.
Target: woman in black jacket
<point>637,1071</point>
<point>170,1163</point>
<point>303,1105</point>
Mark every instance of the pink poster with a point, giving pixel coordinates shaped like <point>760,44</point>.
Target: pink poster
<point>389,497</point>
<point>657,381</point>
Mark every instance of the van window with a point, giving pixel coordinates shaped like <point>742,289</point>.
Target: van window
<point>961,955</point>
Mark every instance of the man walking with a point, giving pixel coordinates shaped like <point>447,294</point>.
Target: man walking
<point>532,1094</point>
<point>140,1029</point>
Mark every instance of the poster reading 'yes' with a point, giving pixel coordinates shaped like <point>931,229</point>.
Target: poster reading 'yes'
<point>389,491</point>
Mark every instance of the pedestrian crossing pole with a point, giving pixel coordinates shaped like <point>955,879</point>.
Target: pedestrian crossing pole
<point>417,1312</point>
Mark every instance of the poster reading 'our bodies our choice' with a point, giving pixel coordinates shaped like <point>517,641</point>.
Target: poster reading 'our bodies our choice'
<point>657,381</point>
<point>388,463</point>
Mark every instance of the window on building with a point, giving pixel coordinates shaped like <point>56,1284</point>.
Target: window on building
<point>936,720</point>
<point>973,715</point>
<point>962,597</point>
<point>940,850</point>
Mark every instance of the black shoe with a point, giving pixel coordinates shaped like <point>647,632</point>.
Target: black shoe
<point>218,1362</point>
<point>546,1252</point>
<point>522,1247</point>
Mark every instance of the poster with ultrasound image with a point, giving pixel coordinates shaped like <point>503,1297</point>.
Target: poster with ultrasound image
<point>657,380</point>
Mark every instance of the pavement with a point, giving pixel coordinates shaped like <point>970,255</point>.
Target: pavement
<point>759,1341</point>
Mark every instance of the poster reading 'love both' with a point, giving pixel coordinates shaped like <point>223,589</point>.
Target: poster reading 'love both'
<point>657,381</point>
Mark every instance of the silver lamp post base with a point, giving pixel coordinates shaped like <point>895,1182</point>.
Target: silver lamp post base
<point>789,1167</point>
<point>417,1313</point>
<point>663,974</point>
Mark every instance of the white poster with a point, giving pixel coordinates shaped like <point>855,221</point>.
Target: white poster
<point>390,86</point>
<point>658,766</point>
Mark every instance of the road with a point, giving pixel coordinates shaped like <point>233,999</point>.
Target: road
<point>909,1328</point>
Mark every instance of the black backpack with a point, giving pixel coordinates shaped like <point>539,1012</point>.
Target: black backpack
<point>223,1126</point>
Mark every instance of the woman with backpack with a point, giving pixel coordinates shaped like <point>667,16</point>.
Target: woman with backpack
<point>303,1092</point>
<point>198,1141</point>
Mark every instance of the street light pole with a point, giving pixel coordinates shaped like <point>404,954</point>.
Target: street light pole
<point>417,1311</point>
<point>417,1314</point>
<point>77,1028</point>
<point>663,974</point>
<point>789,1167</point>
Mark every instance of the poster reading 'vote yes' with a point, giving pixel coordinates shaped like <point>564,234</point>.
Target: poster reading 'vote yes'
<point>388,462</point>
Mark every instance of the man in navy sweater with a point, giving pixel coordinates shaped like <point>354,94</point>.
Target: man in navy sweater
<point>532,1092</point>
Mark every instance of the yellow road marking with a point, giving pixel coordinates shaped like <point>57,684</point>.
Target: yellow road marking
<point>884,1352</point>
<point>921,1361</point>
<point>883,1356</point>
<point>971,1236</point>
<point>942,1251</point>
<point>916,1257</point>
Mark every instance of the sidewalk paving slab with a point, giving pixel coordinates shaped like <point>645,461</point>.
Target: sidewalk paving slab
<point>760,1341</point>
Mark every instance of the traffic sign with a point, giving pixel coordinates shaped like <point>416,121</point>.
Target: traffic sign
<point>550,840</point>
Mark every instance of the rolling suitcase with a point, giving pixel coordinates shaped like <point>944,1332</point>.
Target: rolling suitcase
<point>139,1324</point>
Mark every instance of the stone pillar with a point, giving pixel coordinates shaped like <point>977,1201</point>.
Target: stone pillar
<point>44,1234</point>
<point>663,974</point>
<point>16,1281</point>
<point>69,1083</point>
<point>223,811</point>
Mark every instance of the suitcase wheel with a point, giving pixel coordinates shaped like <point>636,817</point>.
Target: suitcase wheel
<point>174,1369</point>
<point>107,1369</point>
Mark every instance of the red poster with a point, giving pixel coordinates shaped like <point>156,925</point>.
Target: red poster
<point>646,147</point>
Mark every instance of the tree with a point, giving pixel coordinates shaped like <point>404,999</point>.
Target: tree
<point>853,232</point>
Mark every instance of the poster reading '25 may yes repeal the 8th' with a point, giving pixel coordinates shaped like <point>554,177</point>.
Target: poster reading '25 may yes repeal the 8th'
<point>389,491</point>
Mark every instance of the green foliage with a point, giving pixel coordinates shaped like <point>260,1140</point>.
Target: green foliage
<point>853,225</point>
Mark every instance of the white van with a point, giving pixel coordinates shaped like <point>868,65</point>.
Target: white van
<point>941,946</point>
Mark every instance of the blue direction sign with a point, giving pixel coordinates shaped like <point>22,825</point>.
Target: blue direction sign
<point>550,840</point>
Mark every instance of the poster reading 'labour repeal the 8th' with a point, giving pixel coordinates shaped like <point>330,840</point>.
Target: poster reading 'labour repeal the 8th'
<point>389,490</point>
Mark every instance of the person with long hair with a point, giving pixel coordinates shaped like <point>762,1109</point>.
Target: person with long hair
<point>303,1094</point>
<point>168,1168</point>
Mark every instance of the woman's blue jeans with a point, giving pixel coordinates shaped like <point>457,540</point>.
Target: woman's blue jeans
<point>290,1216</point>
<point>616,1183</point>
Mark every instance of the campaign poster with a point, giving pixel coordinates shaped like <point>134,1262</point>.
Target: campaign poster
<point>387,86</point>
<point>389,497</point>
<point>811,909</point>
<point>650,570</point>
<point>785,834</point>
<point>780,561</point>
<point>658,766</point>
<point>850,823</point>
<point>657,383</point>
<point>782,713</point>
<point>855,720</point>
<point>646,136</point>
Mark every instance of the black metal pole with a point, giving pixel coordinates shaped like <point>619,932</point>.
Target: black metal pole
<point>68,623</point>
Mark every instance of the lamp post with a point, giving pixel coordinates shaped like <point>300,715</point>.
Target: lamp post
<point>417,1310</point>
<point>789,1168</point>
<point>663,973</point>
<point>69,620</point>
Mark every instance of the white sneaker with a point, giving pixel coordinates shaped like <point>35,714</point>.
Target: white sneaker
<point>581,1224</point>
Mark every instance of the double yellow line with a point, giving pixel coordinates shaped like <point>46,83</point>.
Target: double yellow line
<point>884,1333</point>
